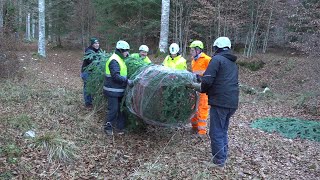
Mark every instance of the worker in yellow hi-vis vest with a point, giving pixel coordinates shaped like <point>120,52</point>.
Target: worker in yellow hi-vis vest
<point>175,60</point>
<point>114,87</point>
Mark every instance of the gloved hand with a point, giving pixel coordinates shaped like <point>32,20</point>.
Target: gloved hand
<point>130,83</point>
<point>199,78</point>
<point>196,86</point>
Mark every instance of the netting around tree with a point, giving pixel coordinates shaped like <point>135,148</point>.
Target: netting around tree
<point>161,95</point>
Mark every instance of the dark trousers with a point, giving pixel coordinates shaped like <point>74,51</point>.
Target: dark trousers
<point>86,96</point>
<point>115,117</point>
<point>219,124</point>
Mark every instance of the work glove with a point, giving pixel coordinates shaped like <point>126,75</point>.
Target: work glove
<point>195,86</point>
<point>199,78</point>
<point>130,83</point>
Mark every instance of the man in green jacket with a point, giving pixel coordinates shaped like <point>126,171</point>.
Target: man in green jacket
<point>143,54</point>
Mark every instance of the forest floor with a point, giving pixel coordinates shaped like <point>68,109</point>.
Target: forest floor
<point>46,96</point>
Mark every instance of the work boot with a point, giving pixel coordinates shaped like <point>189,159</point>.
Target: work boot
<point>120,132</point>
<point>216,163</point>
<point>202,137</point>
<point>88,106</point>
<point>108,129</point>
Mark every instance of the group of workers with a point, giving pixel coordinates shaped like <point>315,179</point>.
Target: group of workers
<point>217,83</point>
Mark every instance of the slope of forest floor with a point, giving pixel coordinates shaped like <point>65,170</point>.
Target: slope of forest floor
<point>47,98</point>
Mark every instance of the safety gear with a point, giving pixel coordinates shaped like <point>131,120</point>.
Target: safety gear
<point>108,129</point>
<point>196,86</point>
<point>122,45</point>
<point>111,87</point>
<point>137,55</point>
<point>199,121</point>
<point>196,43</point>
<point>174,48</point>
<point>177,63</point>
<point>144,48</point>
<point>122,64</point>
<point>199,78</point>
<point>222,42</point>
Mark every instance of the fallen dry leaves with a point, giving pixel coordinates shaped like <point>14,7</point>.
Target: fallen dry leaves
<point>158,153</point>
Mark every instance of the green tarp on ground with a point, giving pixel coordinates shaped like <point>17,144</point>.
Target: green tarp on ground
<point>290,127</point>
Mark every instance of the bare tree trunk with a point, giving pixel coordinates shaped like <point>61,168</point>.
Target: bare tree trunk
<point>1,17</point>
<point>219,17</point>
<point>20,16</point>
<point>83,25</point>
<point>255,25</point>
<point>50,39</point>
<point>28,36</point>
<point>187,30</point>
<point>88,26</point>
<point>164,32</point>
<point>42,29</point>
<point>265,41</point>
<point>180,26</point>
<point>33,29</point>
<point>175,36</point>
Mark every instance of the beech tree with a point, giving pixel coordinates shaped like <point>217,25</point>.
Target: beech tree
<point>42,29</point>
<point>1,17</point>
<point>164,32</point>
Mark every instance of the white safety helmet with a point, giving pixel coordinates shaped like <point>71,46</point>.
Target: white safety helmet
<point>222,42</point>
<point>174,48</point>
<point>144,48</point>
<point>122,45</point>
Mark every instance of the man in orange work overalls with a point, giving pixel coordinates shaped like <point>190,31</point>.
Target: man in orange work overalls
<point>199,64</point>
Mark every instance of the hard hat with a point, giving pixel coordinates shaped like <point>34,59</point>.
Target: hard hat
<point>222,42</point>
<point>122,45</point>
<point>196,43</point>
<point>174,48</point>
<point>144,48</point>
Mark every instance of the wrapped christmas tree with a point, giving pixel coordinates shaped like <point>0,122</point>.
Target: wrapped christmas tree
<point>160,96</point>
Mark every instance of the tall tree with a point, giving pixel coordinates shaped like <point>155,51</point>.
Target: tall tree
<point>28,35</point>
<point>42,29</point>
<point>164,33</point>
<point>1,17</point>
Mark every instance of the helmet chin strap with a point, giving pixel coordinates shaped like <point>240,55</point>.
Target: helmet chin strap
<point>122,51</point>
<point>197,54</point>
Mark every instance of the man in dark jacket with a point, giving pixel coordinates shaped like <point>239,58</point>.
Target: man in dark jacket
<point>114,87</point>
<point>89,56</point>
<point>220,82</point>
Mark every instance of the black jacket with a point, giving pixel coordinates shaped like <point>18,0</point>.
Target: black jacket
<point>88,61</point>
<point>116,80</point>
<point>220,81</point>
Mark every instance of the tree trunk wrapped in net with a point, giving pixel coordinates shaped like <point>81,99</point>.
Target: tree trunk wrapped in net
<point>161,96</point>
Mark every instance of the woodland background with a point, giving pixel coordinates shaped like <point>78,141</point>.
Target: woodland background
<point>277,45</point>
<point>252,25</point>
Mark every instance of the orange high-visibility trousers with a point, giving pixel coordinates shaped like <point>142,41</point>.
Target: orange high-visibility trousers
<point>199,120</point>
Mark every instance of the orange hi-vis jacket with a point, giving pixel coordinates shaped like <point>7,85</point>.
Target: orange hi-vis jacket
<point>199,120</point>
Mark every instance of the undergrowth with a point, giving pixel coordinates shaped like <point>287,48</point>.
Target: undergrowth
<point>56,147</point>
